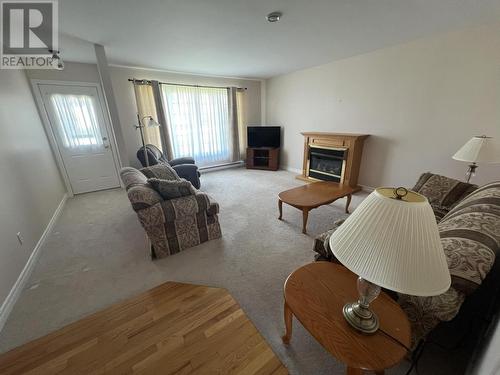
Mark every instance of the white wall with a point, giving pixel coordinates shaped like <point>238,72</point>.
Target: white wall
<point>73,72</point>
<point>420,101</point>
<point>30,187</point>
<point>125,99</point>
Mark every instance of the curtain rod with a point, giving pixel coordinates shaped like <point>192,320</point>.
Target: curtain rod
<point>148,82</point>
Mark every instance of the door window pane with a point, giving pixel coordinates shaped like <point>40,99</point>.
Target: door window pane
<point>77,121</point>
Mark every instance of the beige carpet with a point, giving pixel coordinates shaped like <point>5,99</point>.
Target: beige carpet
<point>96,257</point>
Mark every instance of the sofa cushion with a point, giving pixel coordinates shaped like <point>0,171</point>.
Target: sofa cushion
<point>161,171</point>
<point>470,234</point>
<point>443,193</point>
<point>170,189</point>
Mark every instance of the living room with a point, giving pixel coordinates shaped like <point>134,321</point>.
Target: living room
<point>252,112</point>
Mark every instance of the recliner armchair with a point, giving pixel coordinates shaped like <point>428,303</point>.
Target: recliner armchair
<point>174,224</point>
<point>185,167</point>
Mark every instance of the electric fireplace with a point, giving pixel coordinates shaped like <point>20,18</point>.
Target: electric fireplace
<point>334,157</point>
<point>327,163</point>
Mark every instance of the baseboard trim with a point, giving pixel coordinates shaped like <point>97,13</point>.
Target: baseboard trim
<point>213,168</point>
<point>15,292</point>
<point>293,170</point>
<point>368,189</point>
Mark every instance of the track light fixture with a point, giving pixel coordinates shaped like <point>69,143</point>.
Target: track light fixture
<point>56,56</point>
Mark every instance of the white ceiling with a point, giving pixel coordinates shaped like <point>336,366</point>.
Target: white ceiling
<point>233,38</point>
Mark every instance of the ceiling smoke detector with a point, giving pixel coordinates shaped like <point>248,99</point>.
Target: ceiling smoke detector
<point>274,16</point>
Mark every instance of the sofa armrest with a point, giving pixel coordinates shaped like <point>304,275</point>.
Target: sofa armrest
<point>188,172</point>
<point>322,244</point>
<point>178,161</point>
<point>189,205</point>
<point>152,216</point>
<point>425,313</point>
<point>206,203</point>
<point>142,196</point>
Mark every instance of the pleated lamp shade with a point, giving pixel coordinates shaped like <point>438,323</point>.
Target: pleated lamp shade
<point>480,149</point>
<point>394,244</point>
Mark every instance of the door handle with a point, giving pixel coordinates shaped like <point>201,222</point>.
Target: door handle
<point>105,142</point>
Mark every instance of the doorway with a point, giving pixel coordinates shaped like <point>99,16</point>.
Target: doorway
<point>79,131</point>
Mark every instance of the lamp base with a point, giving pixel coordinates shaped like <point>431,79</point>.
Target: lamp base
<point>471,172</point>
<point>361,317</point>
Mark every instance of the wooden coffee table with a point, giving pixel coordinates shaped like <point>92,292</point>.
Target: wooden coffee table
<point>316,293</point>
<point>313,195</point>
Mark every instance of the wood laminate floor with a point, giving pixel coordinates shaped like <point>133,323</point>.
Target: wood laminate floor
<point>172,329</point>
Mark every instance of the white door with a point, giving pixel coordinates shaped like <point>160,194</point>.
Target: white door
<point>76,116</point>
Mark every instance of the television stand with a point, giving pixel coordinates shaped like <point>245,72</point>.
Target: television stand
<point>263,158</point>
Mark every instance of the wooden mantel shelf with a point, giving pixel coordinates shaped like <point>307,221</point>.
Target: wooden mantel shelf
<point>327,134</point>
<point>352,143</point>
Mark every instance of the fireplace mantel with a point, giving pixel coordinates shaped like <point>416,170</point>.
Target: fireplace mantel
<point>348,145</point>
<point>327,134</point>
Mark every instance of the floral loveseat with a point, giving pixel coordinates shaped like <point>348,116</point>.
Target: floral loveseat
<point>470,234</point>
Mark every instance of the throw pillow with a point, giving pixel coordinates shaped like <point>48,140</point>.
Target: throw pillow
<point>443,193</point>
<point>160,171</point>
<point>170,189</point>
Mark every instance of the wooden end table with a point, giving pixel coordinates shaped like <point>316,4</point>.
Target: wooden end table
<point>316,293</point>
<point>313,195</point>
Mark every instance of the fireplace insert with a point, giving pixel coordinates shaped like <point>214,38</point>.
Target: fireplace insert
<point>327,163</point>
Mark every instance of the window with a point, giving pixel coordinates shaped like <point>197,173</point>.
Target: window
<point>76,121</point>
<point>198,121</point>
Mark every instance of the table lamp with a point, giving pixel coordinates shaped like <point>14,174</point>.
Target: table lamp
<point>391,240</point>
<point>479,149</point>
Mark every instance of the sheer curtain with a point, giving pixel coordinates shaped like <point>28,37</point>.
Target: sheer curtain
<point>241,113</point>
<point>77,124</point>
<point>146,107</point>
<point>198,122</point>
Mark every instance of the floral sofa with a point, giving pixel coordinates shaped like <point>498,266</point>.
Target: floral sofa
<point>174,214</point>
<point>470,233</point>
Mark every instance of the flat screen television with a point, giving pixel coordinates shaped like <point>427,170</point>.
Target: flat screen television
<point>264,136</point>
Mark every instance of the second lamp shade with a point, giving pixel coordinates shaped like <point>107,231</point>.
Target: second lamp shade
<point>480,149</point>
<point>394,243</point>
